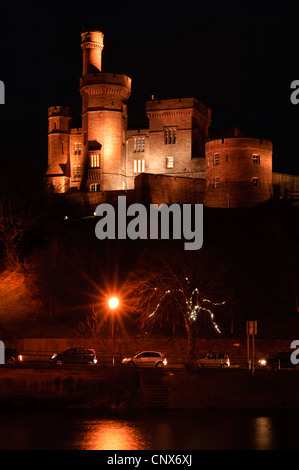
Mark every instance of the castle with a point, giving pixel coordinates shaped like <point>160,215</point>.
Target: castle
<point>175,159</point>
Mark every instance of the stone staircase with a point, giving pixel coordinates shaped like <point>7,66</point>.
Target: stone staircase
<point>154,388</point>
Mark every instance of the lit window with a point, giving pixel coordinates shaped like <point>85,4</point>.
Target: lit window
<point>77,171</point>
<point>169,162</point>
<point>216,159</point>
<point>95,187</point>
<point>95,160</point>
<point>256,159</point>
<point>255,182</point>
<point>139,166</point>
<point>77,149</point>
<point>216,181</point>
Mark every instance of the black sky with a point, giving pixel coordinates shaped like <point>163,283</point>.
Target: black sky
<point>238,58</point>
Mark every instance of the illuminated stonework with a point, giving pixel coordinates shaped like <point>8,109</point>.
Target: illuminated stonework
<point>174,159</point>
<point>122,154</point>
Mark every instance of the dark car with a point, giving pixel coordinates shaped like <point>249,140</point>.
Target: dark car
<point>75,356</point>
<point>12,356</point>
<point>280,360</point>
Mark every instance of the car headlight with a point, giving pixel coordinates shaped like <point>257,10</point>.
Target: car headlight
<point>165,361</point>
<point>262,362</point>
<point>53,356</point>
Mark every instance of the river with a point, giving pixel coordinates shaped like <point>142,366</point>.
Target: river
<point>148,430</point>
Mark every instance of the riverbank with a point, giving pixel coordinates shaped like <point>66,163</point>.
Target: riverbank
<point>175,389</point>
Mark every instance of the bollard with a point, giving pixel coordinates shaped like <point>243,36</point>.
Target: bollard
<point>2,353</point>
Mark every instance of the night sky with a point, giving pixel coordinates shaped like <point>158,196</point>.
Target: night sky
<point>238,58</point>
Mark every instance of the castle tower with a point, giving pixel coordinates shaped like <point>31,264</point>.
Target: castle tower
<point>178,132</point>
<point>239,172</point>
<point>92,45</point>
<point>59,128</point>
<point>104,119</point>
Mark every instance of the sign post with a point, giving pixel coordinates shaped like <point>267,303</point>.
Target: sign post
<point>251,330</point>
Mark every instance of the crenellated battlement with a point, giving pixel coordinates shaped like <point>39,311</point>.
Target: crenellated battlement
<point>59,111</point>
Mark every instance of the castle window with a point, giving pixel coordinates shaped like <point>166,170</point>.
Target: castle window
<point>77,149</point>
<point>216,181</point>
<point>256,182</point>
<point>169,162</point>
<point>139,166</point>
<point>135,145</point>
<point>255,159</point>
<point>216,159</point>
<point>77,171</point>
<point>94,187</point>
<point>170,135</point>
<point>143,144</point>
<point>95,160</point>
<point>138,145</point>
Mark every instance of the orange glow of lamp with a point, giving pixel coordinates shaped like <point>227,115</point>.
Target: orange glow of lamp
<point>113,302</point>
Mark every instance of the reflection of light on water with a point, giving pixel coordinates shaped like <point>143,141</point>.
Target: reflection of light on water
<point>263,433</point>
<point>112,435</point>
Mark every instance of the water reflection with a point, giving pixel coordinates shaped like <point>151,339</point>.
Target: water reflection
<point>263,433</point>
<point>197,430</point>
<point>111,435</point>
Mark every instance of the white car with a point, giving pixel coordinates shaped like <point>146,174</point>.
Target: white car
<point>146,359</point>
<point>214,360</point>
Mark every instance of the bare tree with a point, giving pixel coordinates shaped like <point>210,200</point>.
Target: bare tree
<point>181,288</point>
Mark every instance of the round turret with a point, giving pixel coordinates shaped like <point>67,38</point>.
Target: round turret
<point>92,45</point>
<point>239,172</point>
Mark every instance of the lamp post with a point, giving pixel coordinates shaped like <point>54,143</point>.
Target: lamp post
<point>113,304</point>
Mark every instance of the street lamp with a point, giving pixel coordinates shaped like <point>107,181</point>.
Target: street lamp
<point>113,303</point>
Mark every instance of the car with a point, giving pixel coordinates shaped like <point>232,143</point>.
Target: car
<point>75,356</point>
<point>280,360</point>
<point>12,356</point>
<point>146,359</point>
<point>214,360</point>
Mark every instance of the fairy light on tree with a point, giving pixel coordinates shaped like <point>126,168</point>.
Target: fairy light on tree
<point>179,291</point>
<point>194,306</point>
